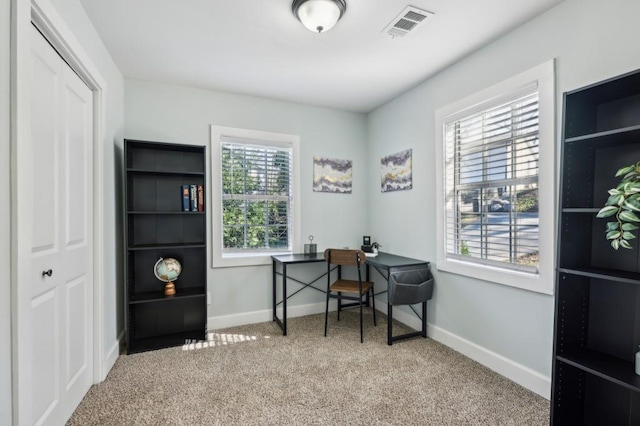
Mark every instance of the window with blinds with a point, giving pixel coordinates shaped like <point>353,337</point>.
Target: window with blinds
<point>491,183</point>
<point>257,201</point>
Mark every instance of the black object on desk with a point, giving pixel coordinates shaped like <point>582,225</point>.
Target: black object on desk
<point>394,269</point>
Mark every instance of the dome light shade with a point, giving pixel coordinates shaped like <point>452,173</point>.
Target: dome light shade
<point>318,15</point>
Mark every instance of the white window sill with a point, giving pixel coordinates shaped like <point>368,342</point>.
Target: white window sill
<point>229,260</point>
<point>538,283</point>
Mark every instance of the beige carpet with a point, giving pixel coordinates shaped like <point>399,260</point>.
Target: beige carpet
<point>253,375</point>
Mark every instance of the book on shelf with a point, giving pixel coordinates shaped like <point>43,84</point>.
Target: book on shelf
<point>186,198</point>
<point>200,198</point>
<point>194,198</point>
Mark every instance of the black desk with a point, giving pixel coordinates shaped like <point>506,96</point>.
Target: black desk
<point>284,260</point>
<point>384,263</point>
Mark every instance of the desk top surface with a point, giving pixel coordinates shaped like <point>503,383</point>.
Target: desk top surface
<point>383,260</point>
<point>388,260</point>
<point>298,258</point>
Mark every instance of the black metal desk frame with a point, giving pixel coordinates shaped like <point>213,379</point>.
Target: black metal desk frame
<point>284,260</point>
<point>384,263</point>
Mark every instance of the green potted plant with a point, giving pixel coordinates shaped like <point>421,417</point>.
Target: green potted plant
<point>622,205</point>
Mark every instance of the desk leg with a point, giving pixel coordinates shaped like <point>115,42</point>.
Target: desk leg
<point>389,324</point>
<point>273,290</point>
<point>282,323</point>
<point>424,319</point>
<point>284,299</point>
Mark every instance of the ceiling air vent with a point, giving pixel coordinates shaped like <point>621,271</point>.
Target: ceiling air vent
<point>407,21</point>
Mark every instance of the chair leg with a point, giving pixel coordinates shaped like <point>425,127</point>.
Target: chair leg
<point>361,330</point>
<point>373,302</point>
<point>389,324</point>
<point>339,304</point>
<point>326,314</point>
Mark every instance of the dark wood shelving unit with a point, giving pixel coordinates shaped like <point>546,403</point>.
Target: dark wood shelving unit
<point>157,226</point>
<point>597,313</point>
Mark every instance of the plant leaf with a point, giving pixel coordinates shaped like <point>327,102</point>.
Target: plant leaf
<point>628,216</point>
<point>630,186</point>
<point>631,204</point>
<point>633,188</point>
<point>625,170</point>
<point>614,191</point>
<point>615,244</point>
<point>625,244</point>
<point>613,235</point>
<point>607,211</point>
<point>628,235</point>
<point>626,226</point>
<point>615,200</point>
<point>614,226</point>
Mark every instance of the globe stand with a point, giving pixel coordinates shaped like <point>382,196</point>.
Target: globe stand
<point>169,289</point>
<point>167,270</point>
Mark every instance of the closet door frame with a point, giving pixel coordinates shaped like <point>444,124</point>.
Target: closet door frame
<point>46,19</point>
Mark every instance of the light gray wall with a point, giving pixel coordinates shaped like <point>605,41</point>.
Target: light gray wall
<point>160,112</point>
<point>5,215</point>
<point>592,40</point>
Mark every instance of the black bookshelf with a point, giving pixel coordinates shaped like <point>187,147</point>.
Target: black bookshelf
<point>597,313</point>
<point>157,226</point>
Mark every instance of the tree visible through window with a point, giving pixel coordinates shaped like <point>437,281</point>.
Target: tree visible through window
<point>491,184</point>
<point>256,197</point>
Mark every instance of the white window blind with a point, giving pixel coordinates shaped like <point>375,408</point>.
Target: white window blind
<point>257,201</point>
<point>491,183</point>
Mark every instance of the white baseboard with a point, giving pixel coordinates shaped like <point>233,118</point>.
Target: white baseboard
<point>112,355</point>
<point>214,323</point>
<point>508,368</point>
<point>524,376</point>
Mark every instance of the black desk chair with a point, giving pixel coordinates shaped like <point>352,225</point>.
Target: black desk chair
<point>354,290</point>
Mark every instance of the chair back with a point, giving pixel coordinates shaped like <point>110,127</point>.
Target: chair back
<point>345,257</point>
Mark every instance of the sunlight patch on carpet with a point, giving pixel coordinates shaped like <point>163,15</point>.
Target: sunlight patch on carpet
<point>219,339</point>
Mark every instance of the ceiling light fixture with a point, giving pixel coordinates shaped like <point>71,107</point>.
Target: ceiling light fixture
<point>319,15</point>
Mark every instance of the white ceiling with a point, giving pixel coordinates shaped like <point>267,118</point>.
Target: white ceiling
<point>257,47</point>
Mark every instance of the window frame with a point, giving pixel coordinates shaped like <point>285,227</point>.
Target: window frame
<point>220,258</point>
<point>543,281</point>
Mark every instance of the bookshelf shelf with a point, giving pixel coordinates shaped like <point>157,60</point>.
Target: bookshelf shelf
<point>154,212</point>
<point>606,367</point>
<point>163,173</point>
<point>166,246</point>
<point>158,297</point>
<point>621,136</point>
<point>621,276</point>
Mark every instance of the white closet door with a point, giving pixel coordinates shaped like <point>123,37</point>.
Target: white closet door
<point>58,348</point>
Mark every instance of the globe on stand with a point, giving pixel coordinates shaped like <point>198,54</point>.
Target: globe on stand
<point>167,270</point>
